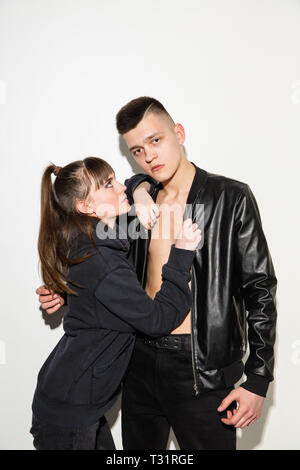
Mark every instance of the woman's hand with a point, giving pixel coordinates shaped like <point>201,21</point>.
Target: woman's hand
<point>50,301</point>
<point>146,209</point>
<point>189,236</point>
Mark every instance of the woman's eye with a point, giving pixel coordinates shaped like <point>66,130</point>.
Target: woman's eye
<point>136,152</point>
<point>108,185</point>
<point>156,140</point>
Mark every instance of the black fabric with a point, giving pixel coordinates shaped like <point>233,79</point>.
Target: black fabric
<point>51,437</point>
<point>81,378</point>
<point>158,394</point>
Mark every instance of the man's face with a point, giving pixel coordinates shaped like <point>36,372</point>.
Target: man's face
<point>156,145</point>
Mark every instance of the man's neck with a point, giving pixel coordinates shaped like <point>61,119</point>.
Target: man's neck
<point>181,181</point>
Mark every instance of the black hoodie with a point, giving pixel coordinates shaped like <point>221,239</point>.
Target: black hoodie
<point>81,378</point>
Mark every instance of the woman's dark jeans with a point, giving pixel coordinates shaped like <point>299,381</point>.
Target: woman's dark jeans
<point>52,437</point>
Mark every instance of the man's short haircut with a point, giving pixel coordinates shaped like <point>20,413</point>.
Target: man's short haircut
<point>133,112</point>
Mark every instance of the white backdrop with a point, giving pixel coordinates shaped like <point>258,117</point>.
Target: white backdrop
<point>229,71</point>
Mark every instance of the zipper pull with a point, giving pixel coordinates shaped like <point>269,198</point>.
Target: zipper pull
<point>196,391</point>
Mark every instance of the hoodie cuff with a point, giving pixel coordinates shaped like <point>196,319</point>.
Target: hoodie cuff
<point>181,259</point>
<point>133,182</point>
<point>256,384</point>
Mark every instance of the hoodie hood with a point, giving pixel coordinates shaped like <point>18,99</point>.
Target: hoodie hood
<point>103,235</point>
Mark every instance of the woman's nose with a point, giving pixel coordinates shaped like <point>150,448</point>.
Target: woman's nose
<point>122,187</point>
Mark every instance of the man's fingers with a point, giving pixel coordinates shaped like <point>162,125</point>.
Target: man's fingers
<point>243,421</point>
<point>238,418</point>
<point>227,401</point>
<point>247,423</point>
<point>252,421</point>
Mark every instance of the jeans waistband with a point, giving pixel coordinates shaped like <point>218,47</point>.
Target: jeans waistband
<point>175,342</point>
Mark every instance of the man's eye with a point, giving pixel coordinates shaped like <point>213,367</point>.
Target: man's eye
<point>137,152</point>
<point>156,140</point>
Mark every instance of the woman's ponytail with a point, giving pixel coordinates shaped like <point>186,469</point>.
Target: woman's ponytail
<point>60,220</point>
<point>51,265</point>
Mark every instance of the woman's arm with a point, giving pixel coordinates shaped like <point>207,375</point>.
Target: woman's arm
<point>140,189</point>
<point>135,181</point>
<point>121,293</point>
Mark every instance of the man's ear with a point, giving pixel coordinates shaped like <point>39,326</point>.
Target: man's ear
<point>84,207</point>
<point>180,133</point>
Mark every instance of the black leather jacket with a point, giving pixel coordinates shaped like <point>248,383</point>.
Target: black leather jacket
<point>233,284</point>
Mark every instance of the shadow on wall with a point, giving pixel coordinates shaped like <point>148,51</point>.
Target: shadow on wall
<point>125,153</point>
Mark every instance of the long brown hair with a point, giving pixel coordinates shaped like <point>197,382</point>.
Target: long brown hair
<point>60,220</point>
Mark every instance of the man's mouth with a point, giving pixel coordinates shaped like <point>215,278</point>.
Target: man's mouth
<point>157,168</point>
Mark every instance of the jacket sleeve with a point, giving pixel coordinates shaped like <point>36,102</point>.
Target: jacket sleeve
<point>259,290</point>
<point>135,180</point>
<point>121,293</point>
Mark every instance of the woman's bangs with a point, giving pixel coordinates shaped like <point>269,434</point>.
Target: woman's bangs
<point>99,171</point>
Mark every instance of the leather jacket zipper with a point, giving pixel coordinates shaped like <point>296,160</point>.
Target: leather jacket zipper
<point>196,391</point>
<point>145,256</point>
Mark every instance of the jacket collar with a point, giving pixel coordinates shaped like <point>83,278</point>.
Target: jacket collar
<point>197,184</point>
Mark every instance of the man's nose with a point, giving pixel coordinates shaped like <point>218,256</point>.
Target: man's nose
<point>150,155</point>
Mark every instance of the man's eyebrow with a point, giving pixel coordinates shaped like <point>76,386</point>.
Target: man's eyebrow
<point>150,137</point>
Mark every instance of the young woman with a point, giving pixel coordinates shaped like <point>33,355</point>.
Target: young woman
<point>83,255</point>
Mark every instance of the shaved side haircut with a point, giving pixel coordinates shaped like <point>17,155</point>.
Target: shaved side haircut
<point>133,112</point>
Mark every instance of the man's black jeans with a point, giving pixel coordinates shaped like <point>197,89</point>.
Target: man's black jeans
<point>158,394</point>
<point>52,437</point>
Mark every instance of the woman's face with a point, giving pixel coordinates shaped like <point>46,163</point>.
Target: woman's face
<point>110,200</point>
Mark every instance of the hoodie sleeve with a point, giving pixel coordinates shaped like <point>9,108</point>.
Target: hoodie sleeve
<point>121,293</point>
<point>135,180</point>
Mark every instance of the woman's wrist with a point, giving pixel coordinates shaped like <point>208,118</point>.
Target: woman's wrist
<point>142,188</point>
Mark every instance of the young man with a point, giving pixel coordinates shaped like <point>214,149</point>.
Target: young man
<point>186,380</point>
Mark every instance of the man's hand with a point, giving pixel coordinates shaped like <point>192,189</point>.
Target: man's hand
<point>50,301</point>
<point>249,408</point>
<point>146,209</point>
